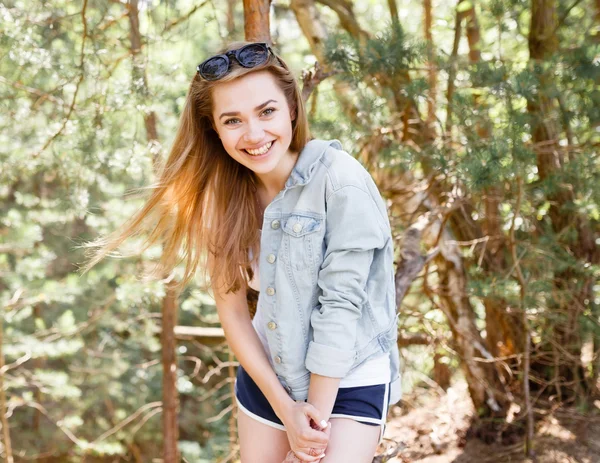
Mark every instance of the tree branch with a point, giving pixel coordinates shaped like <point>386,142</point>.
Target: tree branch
<point>81,77</point>
<point>311,79</point>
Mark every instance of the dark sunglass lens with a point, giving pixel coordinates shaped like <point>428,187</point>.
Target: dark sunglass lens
<point>253,55</point>
<point>214,68</point>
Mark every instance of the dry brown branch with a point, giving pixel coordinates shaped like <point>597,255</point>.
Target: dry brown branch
<point>126,421</point>
<point>471,339</point>
<point>220,415</point>
<point>565,15</point>
<point>77,86</point>
<point>80,327</point>
<point>312,78</point>
<point>231,455</point>
<point>414,340</point>
<point>217,370</point>
<point>20,361</point>
<point>174,22</point>
<point>347,18</point>
<point>412,261</point>
<point>34,91</point>
<point>80,443</point>
<point>103,26</point>
<point>197,364</point>
<point>452,72</point>
<point>523,289</point>
<point>215,388</point>
<point>3,416</point>
<point>143,421</point>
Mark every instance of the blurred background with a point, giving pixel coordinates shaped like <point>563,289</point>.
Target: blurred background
<point>478,119</point>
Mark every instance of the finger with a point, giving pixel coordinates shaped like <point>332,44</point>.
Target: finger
<point>306,457</point>
<point>291,457</point>
<point>311,411</point>
<point>315,438</point>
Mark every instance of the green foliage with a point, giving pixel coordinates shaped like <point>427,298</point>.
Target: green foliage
<point>90,345</point>
<point>73,145</point>
<point>490,150</point>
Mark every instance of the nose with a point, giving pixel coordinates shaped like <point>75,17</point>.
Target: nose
<point>254,132</point>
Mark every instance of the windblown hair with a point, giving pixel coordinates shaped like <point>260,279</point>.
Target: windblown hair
<point>204,204</point>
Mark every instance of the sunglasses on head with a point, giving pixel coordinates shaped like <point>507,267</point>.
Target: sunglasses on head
<point>249,56</point>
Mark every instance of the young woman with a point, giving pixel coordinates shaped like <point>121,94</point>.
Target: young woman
<point>300,223</point>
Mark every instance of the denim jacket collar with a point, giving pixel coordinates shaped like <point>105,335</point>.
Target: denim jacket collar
<point>307,161</point>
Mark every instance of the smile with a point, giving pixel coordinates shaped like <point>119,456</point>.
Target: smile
<point>259,151</point>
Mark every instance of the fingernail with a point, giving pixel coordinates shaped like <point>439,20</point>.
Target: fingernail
<point>323,423</point>
<point>322,456</point>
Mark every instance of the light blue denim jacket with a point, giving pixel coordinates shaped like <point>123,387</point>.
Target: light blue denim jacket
<point>326,272</point>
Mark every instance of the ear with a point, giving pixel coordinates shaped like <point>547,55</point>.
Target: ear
<point>293,115</point>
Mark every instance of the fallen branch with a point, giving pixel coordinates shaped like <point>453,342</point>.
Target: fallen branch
<point>311,79</point>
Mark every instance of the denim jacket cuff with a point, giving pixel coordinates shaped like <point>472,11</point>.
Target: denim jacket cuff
<point>329,361</point>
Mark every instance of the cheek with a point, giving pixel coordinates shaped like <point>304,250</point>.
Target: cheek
<point>228,139</point>
<point>284,126</point>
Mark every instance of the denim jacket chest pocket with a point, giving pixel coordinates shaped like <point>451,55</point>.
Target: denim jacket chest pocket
<point>302,239</point>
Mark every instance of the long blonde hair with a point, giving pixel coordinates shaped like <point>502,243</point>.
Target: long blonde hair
<point>198,214</point>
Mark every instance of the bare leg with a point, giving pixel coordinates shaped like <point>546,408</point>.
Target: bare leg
<point>351,442</point>
<point>259,442</point>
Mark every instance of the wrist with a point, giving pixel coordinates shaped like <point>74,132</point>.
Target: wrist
<point>282,404</point>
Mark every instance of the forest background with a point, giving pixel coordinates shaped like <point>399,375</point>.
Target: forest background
<point>479,121</point>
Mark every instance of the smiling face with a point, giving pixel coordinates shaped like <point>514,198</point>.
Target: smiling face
<point>254,122</point>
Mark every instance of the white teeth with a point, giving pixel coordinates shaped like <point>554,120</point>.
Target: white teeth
<point>262,150</point>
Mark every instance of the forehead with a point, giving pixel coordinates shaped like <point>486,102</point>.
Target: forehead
<point>246,92</point>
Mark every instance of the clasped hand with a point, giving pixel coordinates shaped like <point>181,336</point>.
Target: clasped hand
<point>308,438</point>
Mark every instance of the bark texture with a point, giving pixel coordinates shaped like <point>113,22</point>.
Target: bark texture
<point>256,21</point>
<point>451,294</point>
<point>571,289</point>
<point>170,397</point>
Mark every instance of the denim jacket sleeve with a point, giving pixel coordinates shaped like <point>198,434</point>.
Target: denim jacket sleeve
<point>353,232</point>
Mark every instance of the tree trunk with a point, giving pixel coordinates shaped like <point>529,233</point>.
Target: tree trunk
<point>38,363</point>
<point>482,377</point>
<point>169,383</point>
<point>3,420</point>
<point>139,68</point>
<point>345,12</point>
<point>308,19</point>
<point>485,387</point>
<point>431,71</point>
<point>572,290</point>
<point>504,327</point>
<point>452,69</point>
<point>311,26</point>
<point>231,17</point>
<point>170,397</point>
<point>394,10</point>
<point>256,20</point>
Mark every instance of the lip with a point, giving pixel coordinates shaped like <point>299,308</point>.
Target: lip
<point>258,146</point>
<point>260,156</point>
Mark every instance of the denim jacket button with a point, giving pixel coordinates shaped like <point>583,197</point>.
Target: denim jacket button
<point>297,228</point>
<point>272,325</point>
<point>271,258</point>
<point>270,291</point>
<point>275,224</point>
<point>277,359</point>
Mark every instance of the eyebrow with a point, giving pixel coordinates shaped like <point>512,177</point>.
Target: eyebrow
<point>258,108</point>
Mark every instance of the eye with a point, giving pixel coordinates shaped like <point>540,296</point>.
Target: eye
<point>227,122</point>
<point>272,110</point>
